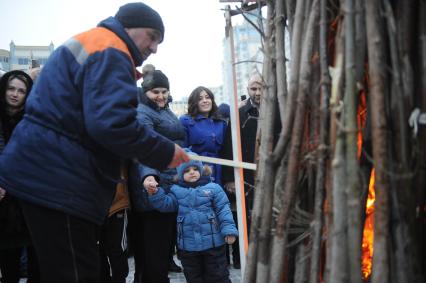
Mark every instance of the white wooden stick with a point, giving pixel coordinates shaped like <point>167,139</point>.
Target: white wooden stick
<point>220,161</point>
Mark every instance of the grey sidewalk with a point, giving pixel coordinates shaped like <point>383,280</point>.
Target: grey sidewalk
<point>235,274</point>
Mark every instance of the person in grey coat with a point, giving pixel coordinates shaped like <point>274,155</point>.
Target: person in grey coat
<point>151,232</point>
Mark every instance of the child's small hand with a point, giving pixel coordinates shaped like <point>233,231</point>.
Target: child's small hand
<point>150,185</point>
<point>152,191</point>
<point>2,193</point>
<point>230,239</point>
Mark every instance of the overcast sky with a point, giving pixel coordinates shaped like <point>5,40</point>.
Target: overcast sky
<point>190,55</point>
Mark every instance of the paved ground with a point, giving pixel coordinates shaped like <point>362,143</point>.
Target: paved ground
<point>175,277</point>
<point>235,274</point>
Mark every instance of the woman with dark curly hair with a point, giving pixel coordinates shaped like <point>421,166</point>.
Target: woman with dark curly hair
<point>204,127</point>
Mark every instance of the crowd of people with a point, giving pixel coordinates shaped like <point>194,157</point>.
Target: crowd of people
<point>94,169</point>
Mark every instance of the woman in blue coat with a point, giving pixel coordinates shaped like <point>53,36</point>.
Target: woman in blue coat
<point>153,231</point>
<point>204,127</point>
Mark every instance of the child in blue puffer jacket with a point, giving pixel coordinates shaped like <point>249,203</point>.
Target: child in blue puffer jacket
<point>204,221</point>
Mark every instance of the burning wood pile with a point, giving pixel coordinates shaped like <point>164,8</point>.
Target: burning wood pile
<point>341,196</point>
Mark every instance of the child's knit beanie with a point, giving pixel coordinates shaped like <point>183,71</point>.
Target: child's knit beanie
<point>181,168</point>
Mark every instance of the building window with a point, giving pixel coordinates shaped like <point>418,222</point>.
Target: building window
<point>23,61</point>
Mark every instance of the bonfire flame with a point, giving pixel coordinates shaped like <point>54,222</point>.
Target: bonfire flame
<point>368,234</point>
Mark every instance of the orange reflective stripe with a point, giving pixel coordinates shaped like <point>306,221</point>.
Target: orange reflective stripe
<point>99,39</point>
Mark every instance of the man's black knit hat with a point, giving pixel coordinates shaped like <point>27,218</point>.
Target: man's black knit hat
<point>140,15</point>
<point>155,79</point>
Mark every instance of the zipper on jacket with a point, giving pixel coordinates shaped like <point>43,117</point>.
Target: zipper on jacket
<point>211,228</point>
<point>180,231</point>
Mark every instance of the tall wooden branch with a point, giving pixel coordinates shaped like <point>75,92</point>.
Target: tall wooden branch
<point>360,43</point>
<point>296,42</point>
<point>353,189</point>
<point>399,194</point>
<point>280,54</point>
<point>377,74</point>
<point>322,147</point>
<point>262,214</point>
<point>421,50</point>
<point>405,26</point>
<point>338,261</point>
<point>397,89</point>
<point>290,12</point>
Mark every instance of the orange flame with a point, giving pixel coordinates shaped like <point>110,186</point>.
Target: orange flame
<point>368,234</point>
<point>361,119</point>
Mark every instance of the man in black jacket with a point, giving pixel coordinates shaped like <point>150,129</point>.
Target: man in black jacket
<point>249,114</point>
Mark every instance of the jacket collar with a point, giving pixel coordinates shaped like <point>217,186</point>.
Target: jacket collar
<point>250,108</point>
<point>204,180</point>
<point>115,26</point>
<point>202,117</point>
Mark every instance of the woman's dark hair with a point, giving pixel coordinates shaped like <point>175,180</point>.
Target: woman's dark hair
<point>28,84</point>
<point>9,76</point>
<point>194,98</point>
<point>20,75</point>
